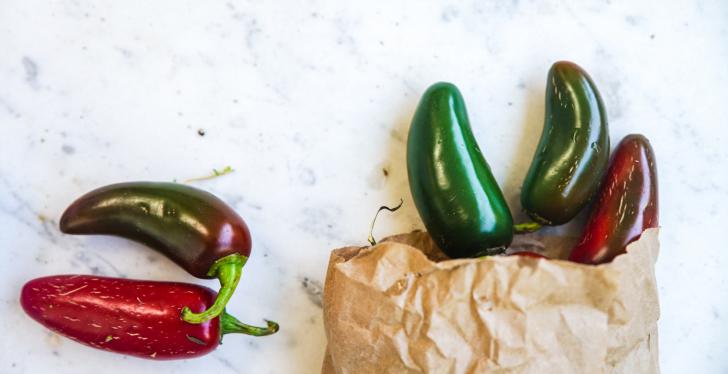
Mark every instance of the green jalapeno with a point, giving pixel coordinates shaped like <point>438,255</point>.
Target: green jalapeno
<point>453,188</point>
<point>573,153</point>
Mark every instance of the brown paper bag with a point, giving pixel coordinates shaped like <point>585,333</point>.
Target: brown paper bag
<point>399,307</point>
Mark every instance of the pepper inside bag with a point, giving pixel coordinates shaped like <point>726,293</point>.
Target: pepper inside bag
<point>400,306</point>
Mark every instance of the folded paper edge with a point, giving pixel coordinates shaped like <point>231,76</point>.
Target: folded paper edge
<point>346,254</point>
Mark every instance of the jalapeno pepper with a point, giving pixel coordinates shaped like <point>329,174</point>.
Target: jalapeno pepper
<point>453,188</point>
<point>626,206</point>
<point>192,227</point>
<point>133,317</point>
<point>573,153</point>
<point>528,254</point>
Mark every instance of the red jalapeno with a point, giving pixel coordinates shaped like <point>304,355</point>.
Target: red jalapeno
<point>626,206</point>
<point>133,317</point>
<point>528,254</point>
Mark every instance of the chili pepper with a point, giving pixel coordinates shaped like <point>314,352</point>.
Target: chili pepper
<point>133,317</point>
<point>528,254</point>
<point>626,206</point>
<point>573,153</point>
<point>453,188</point>
<point>192,227</point>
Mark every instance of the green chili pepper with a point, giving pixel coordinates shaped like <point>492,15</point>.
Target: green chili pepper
<point>453,188</point>
<point>573,152</point>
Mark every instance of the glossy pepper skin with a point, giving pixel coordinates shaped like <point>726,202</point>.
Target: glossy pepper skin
<point>192,227</point>
<point>528,254</point>
<point>627,204</point>
<point>573,153</point>
<point>133,317</point>
<point>453,188</point>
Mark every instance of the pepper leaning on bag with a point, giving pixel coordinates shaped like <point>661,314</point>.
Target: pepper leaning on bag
<point>573,153</point>
<point>455,192</point>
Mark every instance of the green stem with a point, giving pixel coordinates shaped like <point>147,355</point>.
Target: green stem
<point>228,270</point>
<point>526,227</point>
<point>230,324</point>
<point>491,252</point>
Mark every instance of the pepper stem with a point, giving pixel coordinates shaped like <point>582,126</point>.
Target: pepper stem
<point>228,270</point>
<point>371,239</point>
<point>230,324</point>
<point>526,227</point>
<point>491,252</point>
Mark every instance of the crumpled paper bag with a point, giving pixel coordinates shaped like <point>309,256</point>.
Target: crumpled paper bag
<point>400,307</point>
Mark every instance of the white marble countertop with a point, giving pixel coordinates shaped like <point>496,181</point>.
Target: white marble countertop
<point>309,102</point>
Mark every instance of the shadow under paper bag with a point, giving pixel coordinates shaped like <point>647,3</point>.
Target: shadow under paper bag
<point>400,307</point>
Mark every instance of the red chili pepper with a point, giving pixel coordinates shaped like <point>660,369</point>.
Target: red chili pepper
<point>627,203</point>
<point>528,254</point>
<point>134,317</point>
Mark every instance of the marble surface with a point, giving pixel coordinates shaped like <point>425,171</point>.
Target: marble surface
<point>310,103</point>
